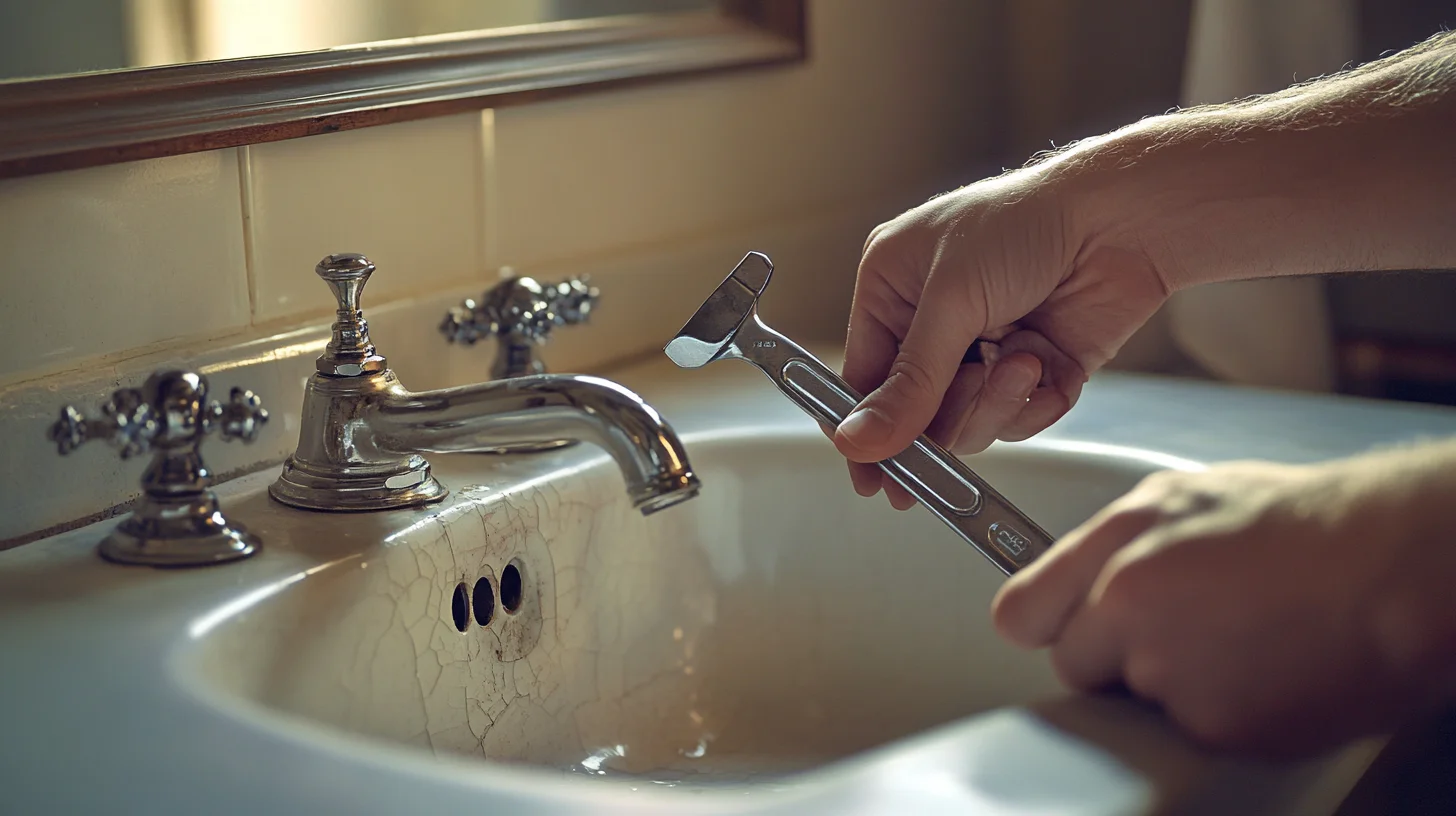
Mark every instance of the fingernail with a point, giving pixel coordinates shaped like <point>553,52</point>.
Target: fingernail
<point>1021,380</point>
<point>866,428</point>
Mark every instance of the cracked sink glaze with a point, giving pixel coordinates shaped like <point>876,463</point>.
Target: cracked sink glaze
<point>761,649</point>
<point>368,644</point>
<point>778,621</point>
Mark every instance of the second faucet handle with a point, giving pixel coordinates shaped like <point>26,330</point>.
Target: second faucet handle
<point>572,301</point>
<point>521,313</point>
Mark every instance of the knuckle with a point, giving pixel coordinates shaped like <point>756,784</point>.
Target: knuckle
<point>1069,667</point>
<point>912,377</point>
<point>1081,671</point>
<point>1065,669</point>
<point>1215,724</point>
<point>1133,587</point>
<point>1124,518</point>
<point>1133,513</point>
<point>881,240</point>
<point>1146,675</point>
<point>1162,482</point>
<point>1174,494</point>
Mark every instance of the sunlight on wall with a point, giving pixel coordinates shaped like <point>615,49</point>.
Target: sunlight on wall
<point>239,28</point>
<point>163,32</point>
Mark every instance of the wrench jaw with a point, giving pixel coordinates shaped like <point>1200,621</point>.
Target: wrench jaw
<point>708,335</point>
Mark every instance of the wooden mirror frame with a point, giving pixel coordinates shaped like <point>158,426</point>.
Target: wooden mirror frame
<point>66,122</point>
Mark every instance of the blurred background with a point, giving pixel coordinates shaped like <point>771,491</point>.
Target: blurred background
<point>1080,68</point>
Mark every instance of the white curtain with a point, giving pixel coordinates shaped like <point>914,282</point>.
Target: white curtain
<point>1272,332</point>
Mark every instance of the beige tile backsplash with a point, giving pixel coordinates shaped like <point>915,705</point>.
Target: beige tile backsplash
<point>106,259</point>
<point>647,295</point>
<point>409,196</point>
<point>655,191</point>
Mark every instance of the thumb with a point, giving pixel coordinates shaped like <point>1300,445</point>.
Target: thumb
<point>888,420</point>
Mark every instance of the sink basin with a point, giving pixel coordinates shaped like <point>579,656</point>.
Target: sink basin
<point>775,624</point>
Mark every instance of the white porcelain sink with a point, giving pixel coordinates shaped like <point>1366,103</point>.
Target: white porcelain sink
<point>776,623</point>
<point>777,645</point>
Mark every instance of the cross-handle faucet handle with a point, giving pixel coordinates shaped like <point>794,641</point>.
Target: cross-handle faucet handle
<point>350,352</point>
<point>242,417</point>
<point>521,312</point>
<point>572,301</point>
<point>127,421</point>
<point>170,410</point>
<point>177,521</point>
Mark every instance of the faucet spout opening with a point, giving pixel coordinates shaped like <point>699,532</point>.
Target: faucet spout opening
<point>667,497</point>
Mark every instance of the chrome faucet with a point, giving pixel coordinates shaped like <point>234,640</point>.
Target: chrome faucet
<point>364,434</point>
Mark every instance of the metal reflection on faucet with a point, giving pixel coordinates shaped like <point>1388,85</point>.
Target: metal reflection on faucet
<point>363,433</point>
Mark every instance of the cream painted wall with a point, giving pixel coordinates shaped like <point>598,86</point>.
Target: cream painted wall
<point>892,107</point>
<point>655,191</point>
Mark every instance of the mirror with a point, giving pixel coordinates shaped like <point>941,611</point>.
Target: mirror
<point>68,36</point>
<point>103,81</point>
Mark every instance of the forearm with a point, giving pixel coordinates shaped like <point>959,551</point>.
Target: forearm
<point>1350,173</point>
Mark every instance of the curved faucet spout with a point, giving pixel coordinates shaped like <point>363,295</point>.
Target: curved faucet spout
<point>510,412</point>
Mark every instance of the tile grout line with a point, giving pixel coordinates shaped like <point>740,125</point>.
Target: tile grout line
<point>261,329</point>
<point>486,194</point>
<point>245,187</point>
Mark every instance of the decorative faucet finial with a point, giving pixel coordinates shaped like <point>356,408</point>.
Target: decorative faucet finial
<point>350,352</point>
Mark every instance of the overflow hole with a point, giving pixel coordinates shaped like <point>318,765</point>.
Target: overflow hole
<point>460,606</point>
<point>483,600</point>
<point>510,588</point>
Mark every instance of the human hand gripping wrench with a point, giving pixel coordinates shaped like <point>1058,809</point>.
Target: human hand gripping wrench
<point>727,326</point>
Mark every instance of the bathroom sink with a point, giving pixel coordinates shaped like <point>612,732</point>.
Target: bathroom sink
<point>777,645</point>
<point>777,623</point>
